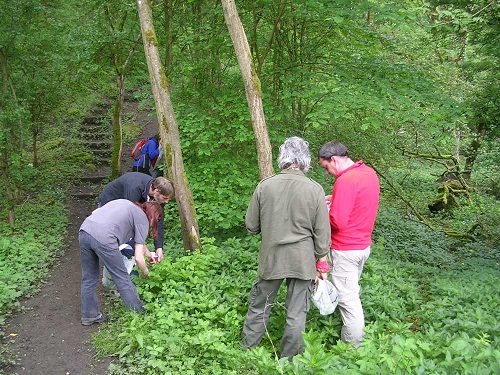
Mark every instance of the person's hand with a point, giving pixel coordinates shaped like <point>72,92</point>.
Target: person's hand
<point>159,254</point>
<point>328,201</point>
<point>148,254</point>
<point>321,275</point>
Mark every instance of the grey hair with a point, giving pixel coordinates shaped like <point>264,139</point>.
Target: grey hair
<point>294,152</point>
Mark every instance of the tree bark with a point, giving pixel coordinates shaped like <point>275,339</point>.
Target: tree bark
<point>252,87</point>
<point>168,10</point>
<point>5,151</point>
<point>117,127</point>
<point>168,130</point>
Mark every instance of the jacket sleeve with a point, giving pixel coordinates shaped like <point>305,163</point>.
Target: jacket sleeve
<point>132,193</point>
<point>321,231</point>
<point>252,217</point>
<point>153,149</point>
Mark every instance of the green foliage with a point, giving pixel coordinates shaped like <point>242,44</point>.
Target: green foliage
<point>28,249</point>
<point>375,76</point>
<point>486,174</point>
<point>214,145</point>
<point>195,307</point>
<point>420,319</point>
<point>411,241</point>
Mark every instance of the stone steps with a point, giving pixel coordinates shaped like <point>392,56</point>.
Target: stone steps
<point>95,134</point>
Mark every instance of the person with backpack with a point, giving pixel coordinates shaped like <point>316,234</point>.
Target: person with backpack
<point>145,154</point>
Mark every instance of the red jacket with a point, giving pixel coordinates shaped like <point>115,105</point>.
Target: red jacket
<point>354,206</point>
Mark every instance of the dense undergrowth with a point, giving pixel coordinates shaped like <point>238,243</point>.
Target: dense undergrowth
<point>439,316</point>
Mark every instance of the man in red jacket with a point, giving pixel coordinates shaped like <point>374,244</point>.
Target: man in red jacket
<point>353,208</point>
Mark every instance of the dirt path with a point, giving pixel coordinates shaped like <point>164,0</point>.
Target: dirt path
<point>49,338</point>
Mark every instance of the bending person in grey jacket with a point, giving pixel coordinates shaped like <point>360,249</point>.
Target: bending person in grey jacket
<point>289,211</point>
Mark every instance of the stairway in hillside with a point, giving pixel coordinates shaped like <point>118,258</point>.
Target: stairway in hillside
<point>96,134</point>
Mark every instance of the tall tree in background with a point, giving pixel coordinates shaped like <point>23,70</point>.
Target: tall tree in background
<point>29,71</point>
<point>168,10</point>
<point>168,129</point>
<point>252,87</point>
<point>122,48</point>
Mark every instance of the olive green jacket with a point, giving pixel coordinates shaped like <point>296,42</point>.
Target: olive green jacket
<point>290,212</point>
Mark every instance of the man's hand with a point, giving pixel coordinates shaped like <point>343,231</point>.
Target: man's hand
<point>159,254</point>
<point>322,275</point>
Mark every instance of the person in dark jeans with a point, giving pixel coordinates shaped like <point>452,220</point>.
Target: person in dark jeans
<point>99,236</point>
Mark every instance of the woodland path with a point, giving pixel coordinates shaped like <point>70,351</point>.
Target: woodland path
<point>48,336</point>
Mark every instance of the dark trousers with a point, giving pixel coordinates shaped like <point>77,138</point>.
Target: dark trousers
<point>141,169</point>
<point>91,251</point>
<point>297,305</point>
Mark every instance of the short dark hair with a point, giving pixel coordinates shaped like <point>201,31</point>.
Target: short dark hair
<point>332,149</point>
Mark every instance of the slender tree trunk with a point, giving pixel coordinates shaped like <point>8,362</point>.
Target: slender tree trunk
<point>5,151</point>
<point>168,130</point>
<point>118,128</point>
<point>252,87</point>
<point>168,10</point>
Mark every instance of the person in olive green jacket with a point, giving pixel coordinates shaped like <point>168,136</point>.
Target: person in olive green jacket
<point>289,211</point>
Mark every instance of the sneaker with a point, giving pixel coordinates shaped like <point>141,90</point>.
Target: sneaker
<point>101,318</point>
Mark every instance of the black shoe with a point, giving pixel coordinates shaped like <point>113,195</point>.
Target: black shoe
<point>101,318</point>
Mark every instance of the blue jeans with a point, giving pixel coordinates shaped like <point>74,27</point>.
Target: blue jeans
<point>91,251</point>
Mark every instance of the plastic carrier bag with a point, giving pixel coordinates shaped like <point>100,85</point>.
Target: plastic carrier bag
<point>107,279</point>
<point>325,297</point>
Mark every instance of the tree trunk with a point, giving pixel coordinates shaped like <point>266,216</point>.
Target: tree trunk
<point>168,130</point>
<point>252,87</point>
<point>117,128</point>
<point>168,10</point>
<point>5,151</point>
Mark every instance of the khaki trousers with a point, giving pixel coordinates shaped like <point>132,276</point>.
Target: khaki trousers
<point>347,266</point>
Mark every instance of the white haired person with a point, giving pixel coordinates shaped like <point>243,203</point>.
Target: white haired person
<point>100,234</point>
<point>289,211</point>
<point>353,208</point>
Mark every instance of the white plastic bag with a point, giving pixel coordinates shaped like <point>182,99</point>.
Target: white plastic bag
<point>107,280</point>
<point>325,297</point>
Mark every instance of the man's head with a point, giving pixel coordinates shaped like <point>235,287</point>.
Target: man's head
<point>161,190</point>
<point>333,157</point>
<point>294,153</point>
